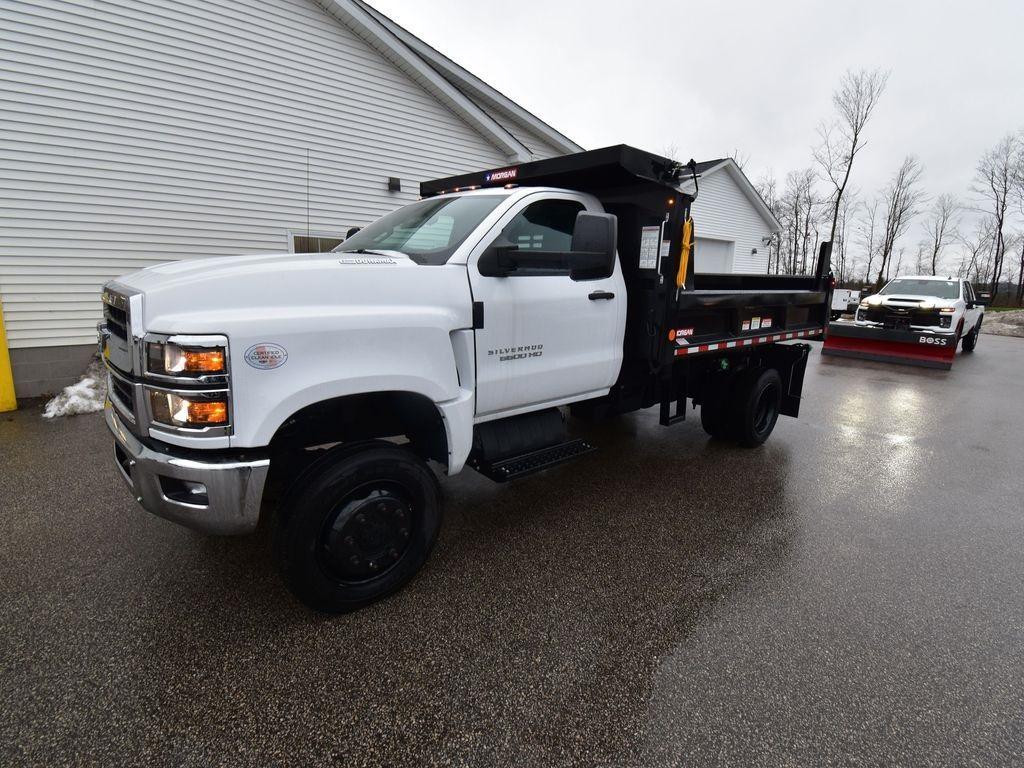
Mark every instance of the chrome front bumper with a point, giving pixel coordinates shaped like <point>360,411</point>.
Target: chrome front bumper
<point>214,495</point>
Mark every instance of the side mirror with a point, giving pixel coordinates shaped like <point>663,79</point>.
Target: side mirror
<point>594,238</point>
<point>497,261</point>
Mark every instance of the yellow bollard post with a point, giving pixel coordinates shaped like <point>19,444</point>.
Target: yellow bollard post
<point>7,401</point>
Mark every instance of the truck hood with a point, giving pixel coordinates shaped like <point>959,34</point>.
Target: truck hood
<point>213,295</point>
<point>907,299</point>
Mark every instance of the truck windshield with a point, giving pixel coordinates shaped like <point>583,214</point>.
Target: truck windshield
<point>428,232</point>
<point>943,289</point>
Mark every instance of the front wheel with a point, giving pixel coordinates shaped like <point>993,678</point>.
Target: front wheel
<point>357,526</point>
<point>970,341</point>
<point>756,403</point>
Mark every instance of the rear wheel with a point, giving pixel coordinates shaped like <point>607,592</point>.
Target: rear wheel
<point>357,526</point>
<point>756,402</point>
<point>970,341</point>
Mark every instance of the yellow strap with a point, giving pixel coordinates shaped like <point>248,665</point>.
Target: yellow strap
<point>7,401</point>
<point>684,256</point>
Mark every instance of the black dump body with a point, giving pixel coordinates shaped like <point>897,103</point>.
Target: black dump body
<point>677,330</point>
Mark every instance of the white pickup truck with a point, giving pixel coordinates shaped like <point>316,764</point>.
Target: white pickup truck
<point>945,309</point>
<point>451,330</point>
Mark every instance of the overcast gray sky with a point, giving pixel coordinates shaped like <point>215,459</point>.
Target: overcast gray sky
<point>713,77</point>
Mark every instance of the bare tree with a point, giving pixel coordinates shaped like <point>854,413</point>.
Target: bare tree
<point>903,199</point>
<point>767,188</point>
<point>797,208</point>
<point>942,227</point>
<point>977,252</point>
<point>899,264</point>
<point>996,181</point>
<point>868,230</point>
<point>739,158</point>
<point>854,101</point>
<point>1015,251</point>
<point>840,245</point>
<point>1018,183</point>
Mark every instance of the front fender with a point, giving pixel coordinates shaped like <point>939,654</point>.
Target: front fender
<point>419,360</point>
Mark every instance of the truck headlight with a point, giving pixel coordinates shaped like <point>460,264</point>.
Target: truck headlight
<point>864,304</point>
<point>168,359</point>
<point>947,310</point>
<point>179,410</point>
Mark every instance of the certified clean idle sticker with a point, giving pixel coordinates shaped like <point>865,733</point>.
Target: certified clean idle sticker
<point>266,356</point>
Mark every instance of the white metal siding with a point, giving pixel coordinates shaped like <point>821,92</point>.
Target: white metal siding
<point>723,212</point>
<point>135,132</point>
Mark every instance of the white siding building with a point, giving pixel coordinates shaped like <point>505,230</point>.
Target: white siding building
<point>134,132</point>
<point>733,224</point>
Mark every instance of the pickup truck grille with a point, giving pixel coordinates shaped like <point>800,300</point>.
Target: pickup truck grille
<point>892,319</point>
<point>123,392</point>
<point>117,320</point>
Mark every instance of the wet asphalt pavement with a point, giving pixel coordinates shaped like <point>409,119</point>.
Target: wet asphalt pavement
<point>850,593</point>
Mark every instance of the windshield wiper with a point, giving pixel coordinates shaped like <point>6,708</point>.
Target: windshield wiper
<point>373,253</point>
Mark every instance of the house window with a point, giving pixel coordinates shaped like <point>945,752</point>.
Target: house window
<point>315,242</point>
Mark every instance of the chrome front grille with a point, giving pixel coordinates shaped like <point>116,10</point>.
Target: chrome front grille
<point>115,313</point>
<point>121,392</point>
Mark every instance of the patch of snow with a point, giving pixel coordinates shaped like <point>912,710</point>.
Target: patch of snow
<point>1004,323</point>
<point>86,396</point>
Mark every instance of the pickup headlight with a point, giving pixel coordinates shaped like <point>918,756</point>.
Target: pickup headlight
<point>947,310</point>
<point>166,359</point>
<point>200,410</point>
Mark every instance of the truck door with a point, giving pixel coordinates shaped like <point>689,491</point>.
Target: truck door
<point>546,338</point>
<point>974,310</point>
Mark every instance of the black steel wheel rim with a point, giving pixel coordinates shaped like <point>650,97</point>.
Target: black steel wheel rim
<point>766,410</point>
<point>367,533</point>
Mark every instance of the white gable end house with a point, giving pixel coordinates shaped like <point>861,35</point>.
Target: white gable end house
<point>136,132</point>
<point>733,225</point>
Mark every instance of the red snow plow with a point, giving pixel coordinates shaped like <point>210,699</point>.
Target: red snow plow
<point>930,350</point>
<point>914,320</point>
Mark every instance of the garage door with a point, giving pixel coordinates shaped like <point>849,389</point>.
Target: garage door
<point>714,255</point>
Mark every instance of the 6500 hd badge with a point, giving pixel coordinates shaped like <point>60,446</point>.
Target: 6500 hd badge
<point>516,353</point>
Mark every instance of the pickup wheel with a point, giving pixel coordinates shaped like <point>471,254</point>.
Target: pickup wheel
<point>756,402</point>
<point>357,526</point>
<point>970,341</point>
<point>714,409</point>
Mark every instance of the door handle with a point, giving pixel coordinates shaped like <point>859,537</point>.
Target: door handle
<point>598,295</point>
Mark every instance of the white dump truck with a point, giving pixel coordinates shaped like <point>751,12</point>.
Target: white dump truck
<point>452,332</point>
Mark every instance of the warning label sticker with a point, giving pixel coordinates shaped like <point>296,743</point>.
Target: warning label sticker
<point>650,240</point>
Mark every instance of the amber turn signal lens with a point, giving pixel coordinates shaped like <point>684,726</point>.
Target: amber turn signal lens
<point>204,361</point>
<point>172,360</point>
<point>208,412</point>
